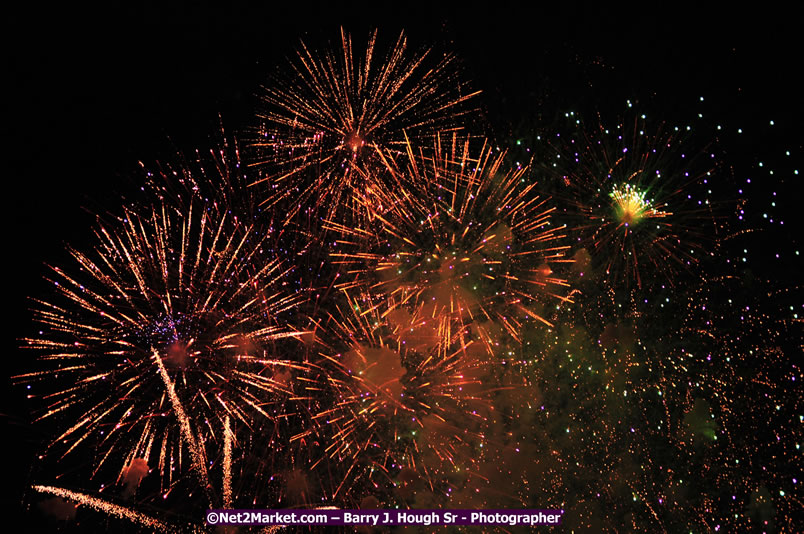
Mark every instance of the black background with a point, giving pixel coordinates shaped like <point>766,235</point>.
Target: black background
<point>91,91</point>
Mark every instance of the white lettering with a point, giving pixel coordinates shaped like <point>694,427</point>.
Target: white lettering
<point>361,519</point>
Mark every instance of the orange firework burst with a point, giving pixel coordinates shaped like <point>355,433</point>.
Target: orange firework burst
<point>323,127</point>
<point>474,242</point>
<point>641,203</point>
<point>405,392</point>
<point>164,334</point>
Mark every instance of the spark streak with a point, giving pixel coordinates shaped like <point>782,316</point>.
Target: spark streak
<point>110,508</point>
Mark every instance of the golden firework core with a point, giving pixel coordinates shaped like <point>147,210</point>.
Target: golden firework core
<point>354,141</point>
<point>630,204</point>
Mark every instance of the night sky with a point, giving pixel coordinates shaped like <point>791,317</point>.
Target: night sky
<point>92,92</point>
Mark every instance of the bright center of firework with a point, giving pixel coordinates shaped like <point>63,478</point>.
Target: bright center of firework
<point>630,204</point>
<point>178,353</point>
<point>354,141</point>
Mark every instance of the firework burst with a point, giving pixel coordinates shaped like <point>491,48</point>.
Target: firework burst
<point>473,242</point>
<point>640,202</point>
<point>324,126</point>
<point>403,406</point>
<point>164,334</point>
<point>436,335</point>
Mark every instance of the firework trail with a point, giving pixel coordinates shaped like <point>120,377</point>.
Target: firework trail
<point>227,464</point>
<point>196,450</point>
<point>111,509</point>
<point>133,516</point>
